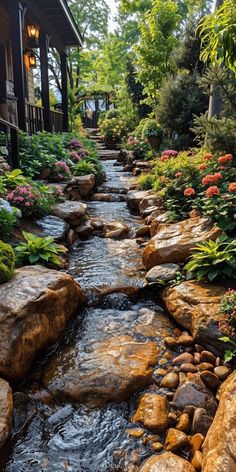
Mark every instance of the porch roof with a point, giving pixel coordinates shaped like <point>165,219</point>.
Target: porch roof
<point>56,17</point>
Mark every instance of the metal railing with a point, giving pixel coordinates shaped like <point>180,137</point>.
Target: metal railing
<point>12,135</point>
<point>34,118</point>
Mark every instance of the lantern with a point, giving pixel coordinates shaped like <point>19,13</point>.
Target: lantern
<point>33,32</point>
<point>32,60</point>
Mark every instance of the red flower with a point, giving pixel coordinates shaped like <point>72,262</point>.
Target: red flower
<point>178,174</point>
<point>211,178</point>
<point>211,191</point>
<point>164,158</point>
<point>225,158</point>
<point>207,157</point>
<point>202,166</point>
<point>189,192</point>
<point>232,187</point>
<point>218,176</point>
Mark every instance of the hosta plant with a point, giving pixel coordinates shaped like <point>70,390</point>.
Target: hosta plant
<point>14,178</point>
<point>213,259</point>
<point>38,249</point>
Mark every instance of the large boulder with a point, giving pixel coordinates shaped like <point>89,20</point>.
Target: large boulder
<point>196,307</point>
<point>80,187</point>
<point>134,198</point>
<point>71,212</point>
<point>193,392</point>
<point>6,411</point>
<point>148,201</point>
<point>167,462</point>
<point>174,242</point>
<point>35,307</point>
<point>110,370</point>
<point>219,448</point>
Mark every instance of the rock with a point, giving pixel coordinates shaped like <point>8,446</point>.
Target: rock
<point>152,412</point>
<point>183,423</point>
<point>35,307</point>
<point>97,224</point>
<point>134,198</point>
<point>207,356</point>
<point>170,380</point>
<point>116,230</point>
<point>72,237</point>
<point>219,451</point>
<point>142,231</point>
<point>71,212</point>
<point>80,187</point>
<point>185,340</point>
<point>197,358</point>
<point>6,411</point>
<point>184,358</point>
<point>171,343</point>
<point>188,367</point>
<point>156,221</point>
<point>147,202</point>
<point>210,380</point>
<point>84,231</point>
<point>53,226</point>
<point>201,421</point>
<point>157,446</point>
<point>111,370</point>
<point>175,440</point>
<point>196,442</point>
<point>5,205</point>
<point>196,307</point>
<point>174,242</point>
<point>4,166</point>
<point>164,272</point>
<point>197,461</point>
<point>194,393</point>
<point>135,433</point>
<point>222,372</point>
<point>205,366</point>
<point>166,462</point>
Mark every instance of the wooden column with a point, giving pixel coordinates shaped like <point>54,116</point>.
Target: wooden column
<point>64,92</point>
<point>44,45</point>
<point>16,20</point>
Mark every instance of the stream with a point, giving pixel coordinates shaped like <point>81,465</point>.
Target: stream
<point>70,414</point>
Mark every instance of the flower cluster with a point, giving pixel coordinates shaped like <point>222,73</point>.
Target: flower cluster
<point>60,171</point>
<point>25,198</point>
<point>224,159</point>
<point>211,191</point>
<point>75,144</point>
<point>207,157</point>
<point>170,153</point>
<point>211,178</point>
<point>189,192</point>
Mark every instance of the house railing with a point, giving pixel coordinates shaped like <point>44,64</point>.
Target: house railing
<point>34,118</point>
<point>57,121</point>
<point>12,135</point>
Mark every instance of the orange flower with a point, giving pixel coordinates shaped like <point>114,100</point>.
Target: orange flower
<point>178,174</point>
<point>211,191</point>
<point>225,158</point>
<point>164,158</point>
<point>211,178</point>
<point>232,187</point>
<point>189,192</point>
<point>202,166</point>
<point>207,157</point>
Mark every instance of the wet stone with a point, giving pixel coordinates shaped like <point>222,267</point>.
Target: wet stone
<point>201,421</point>
<point>196,441</point>
<point>183,423</point>
<point>175,440</point>
<point>161,463</point>
<point>170,380</point>
<point>183,359</point>
<point>53,226</point>
<point>222,372</point>
<point>210,380</point>
<point>207,356</point>
<point>164,272</point>
<point>152,412</point>
<point>197,461</point>
<point>188,367</point>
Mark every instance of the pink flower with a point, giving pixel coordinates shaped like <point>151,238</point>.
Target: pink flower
<point>178,174</point>
<point>189,192</point>
<point>27,204</point>
<point>170,153</point>
<point>211,191</point>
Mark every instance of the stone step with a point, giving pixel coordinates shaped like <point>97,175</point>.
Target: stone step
<point>108,197</point>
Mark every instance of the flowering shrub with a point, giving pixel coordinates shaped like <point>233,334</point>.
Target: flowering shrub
<point>60,171</point>
<point>170,153</point>
<point>189,192</point>
<point>34,200</point>
<point>113,130</point>
<point>139,146</point>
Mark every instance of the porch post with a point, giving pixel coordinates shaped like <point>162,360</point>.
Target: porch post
<point>16,20</point>
<point>64,92</point>
<point>43,44</point>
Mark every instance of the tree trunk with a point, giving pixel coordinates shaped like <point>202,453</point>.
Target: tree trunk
<point>215,100</point>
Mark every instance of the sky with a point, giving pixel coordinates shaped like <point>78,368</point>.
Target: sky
<point>113,8</point>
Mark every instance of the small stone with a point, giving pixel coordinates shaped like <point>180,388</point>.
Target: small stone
<point>135,433</point>
<point>168,355</point>
<point>160,372</point>
<point>170,380</point>
<point>169,396</point>
<point>72,237</point>
<point>201,421</point>
<point>163,361</point>
<point>152,412</point>
<point>185,339</point>
<point>197,461</point>
<point>218,361</point>
<point>206,366</point>
<point>197,358</point>
<point>196,441</point>
<point>183,358</point>
<point>210,380</point>
<point>157,446</point>
<point>189,409</point>
<point>183,423</point>
<point>222,372</point>
<point>207,356</point>
<point>164,272</point>
<point>198,348</point>
<point>187,367</point>
<point>153,438</point>
<point>143,231</point>
<point>175,440</point>
<point>172,418</point>
<point>171,343</point>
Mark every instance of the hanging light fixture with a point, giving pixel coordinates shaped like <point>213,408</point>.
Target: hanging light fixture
<point>33,32</point>
<point>32,60</point>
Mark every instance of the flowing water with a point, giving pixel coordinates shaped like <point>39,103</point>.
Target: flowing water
<point>52,433</point>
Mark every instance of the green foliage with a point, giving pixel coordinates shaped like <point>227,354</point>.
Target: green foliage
<point>230,354</point>
<point>152,128</point>
<point>7,262</point>
<point>84,168</point>
<point>218,35</point>
<point>221,210</point>
<point>221,133</point>
<point>112,130</point>
<point>213,259</point>
<point>145,181</point>
<point>113,113</point>
<point>228,307</point>
<point>7,222</point>
<point>39,250</point>
<point>13,179</point>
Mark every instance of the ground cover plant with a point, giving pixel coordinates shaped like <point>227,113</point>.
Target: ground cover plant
<point>37,249</point>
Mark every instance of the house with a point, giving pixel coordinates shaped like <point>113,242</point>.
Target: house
<point>28,28</point>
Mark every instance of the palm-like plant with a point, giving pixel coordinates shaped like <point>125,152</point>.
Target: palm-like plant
<point>38,249</point>
<point>213,259</point>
